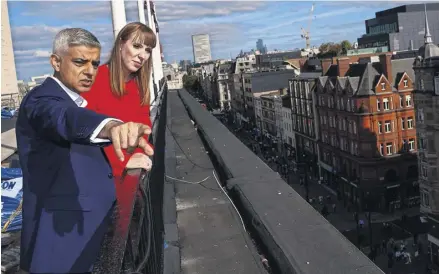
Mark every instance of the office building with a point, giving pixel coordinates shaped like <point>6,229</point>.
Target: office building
<point>261,47</point>
<point>201,48</point>
<point>400,28</point>
<point>304,123</point>
<point>426,99</point>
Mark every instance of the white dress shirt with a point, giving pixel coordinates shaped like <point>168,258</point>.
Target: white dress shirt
<point>81,102</point>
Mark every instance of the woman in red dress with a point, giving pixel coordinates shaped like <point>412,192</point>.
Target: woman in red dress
<point>121,89</point>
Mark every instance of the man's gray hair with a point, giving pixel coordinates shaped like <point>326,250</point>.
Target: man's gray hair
<point>72,37</point>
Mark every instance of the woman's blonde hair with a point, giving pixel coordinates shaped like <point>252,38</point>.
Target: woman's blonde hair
<point>142,34</point>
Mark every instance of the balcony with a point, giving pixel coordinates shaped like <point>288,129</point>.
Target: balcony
<point>203,209</point>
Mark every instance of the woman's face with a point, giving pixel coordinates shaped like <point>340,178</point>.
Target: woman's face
<point>134,55</point>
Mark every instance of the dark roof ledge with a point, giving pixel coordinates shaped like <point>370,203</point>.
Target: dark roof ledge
<point>297,237</point>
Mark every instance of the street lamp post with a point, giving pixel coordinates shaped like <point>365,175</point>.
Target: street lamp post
<point>369,221</point>
<point>304,174</point>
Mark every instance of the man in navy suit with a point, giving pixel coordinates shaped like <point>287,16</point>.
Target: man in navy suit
<point>68,188</point>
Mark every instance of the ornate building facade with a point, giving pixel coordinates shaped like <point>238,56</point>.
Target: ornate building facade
<point>426,98</point>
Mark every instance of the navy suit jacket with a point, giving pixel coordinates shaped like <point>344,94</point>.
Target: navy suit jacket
<point>68,189</point>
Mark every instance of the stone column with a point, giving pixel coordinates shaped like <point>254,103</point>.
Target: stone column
<point>118,15</point>
<point>9,86</point>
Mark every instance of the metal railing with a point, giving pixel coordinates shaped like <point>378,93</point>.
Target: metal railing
<point>10,100</point>
<point>134,242</point>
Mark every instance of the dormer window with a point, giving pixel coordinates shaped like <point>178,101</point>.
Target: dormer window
<point>383,86</point>
<point>406,83</point>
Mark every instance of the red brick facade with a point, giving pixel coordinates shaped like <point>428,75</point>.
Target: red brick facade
<point>367,135</point>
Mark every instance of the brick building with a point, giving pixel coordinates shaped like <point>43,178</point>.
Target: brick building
<point>367,137</point>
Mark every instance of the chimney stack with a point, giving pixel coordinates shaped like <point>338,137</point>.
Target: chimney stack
<point>386,64</point>
<point>342,66</point>
<point>326,63</point>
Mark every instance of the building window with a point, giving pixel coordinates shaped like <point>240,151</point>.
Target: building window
<point>425,199</point>
<point>408,100</point>
<point>421,143</point>
<point>389,150</point>
<point>383,86</point>
<point>381,149</point>
<point>378,105</point>
<point>348,105</point>
<point>406,83</point>
<point>354,127</point>
<point>411,144</point>
<point>436,85</point>
<point>410,123</point>
<point>420,115</point>
<point>380,127</point>
<point>402,123</point>
<point>386,104</point>
<point>401,101</point>
<point>424,171</point>
<point>387,127</point>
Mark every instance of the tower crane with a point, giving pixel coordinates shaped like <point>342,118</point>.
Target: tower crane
<point>306,33</point>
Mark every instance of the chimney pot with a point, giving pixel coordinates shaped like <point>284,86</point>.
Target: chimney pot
<point>386,64</point>
<point>342,66</point>
<point>326,64</point>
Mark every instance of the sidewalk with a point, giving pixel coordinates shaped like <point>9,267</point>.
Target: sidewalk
<point>342,219</point>
<point>417,266</point>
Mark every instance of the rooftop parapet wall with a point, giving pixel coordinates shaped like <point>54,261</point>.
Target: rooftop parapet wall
<point>297,237</point>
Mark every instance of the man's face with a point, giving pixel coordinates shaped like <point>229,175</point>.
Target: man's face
<point>77,67</point>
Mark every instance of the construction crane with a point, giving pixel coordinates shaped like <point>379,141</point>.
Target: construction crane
<point>306,33</point>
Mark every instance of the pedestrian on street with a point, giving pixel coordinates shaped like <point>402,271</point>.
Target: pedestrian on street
<point>377,248</point>
<point>325,211</point>
<point>361,223</point>
<point>373,254</point>
<point>384,245</point>
<point>390,263</point>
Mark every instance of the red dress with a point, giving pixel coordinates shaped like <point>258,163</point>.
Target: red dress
<point>126,108</point>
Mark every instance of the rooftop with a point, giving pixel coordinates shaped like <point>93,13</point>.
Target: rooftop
<point>206,210</point>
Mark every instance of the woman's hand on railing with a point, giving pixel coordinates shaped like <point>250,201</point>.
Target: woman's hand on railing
<point>139,160</point>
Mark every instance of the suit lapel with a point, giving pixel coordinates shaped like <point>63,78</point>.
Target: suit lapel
<point>51,85</point>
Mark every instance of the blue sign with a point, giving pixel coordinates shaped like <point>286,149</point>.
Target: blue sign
<point>11,196</point>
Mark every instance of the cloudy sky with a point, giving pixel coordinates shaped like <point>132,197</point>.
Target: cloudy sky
<point>232,26</point>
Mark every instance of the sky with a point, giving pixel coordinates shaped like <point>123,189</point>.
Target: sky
<point>232,25</point>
